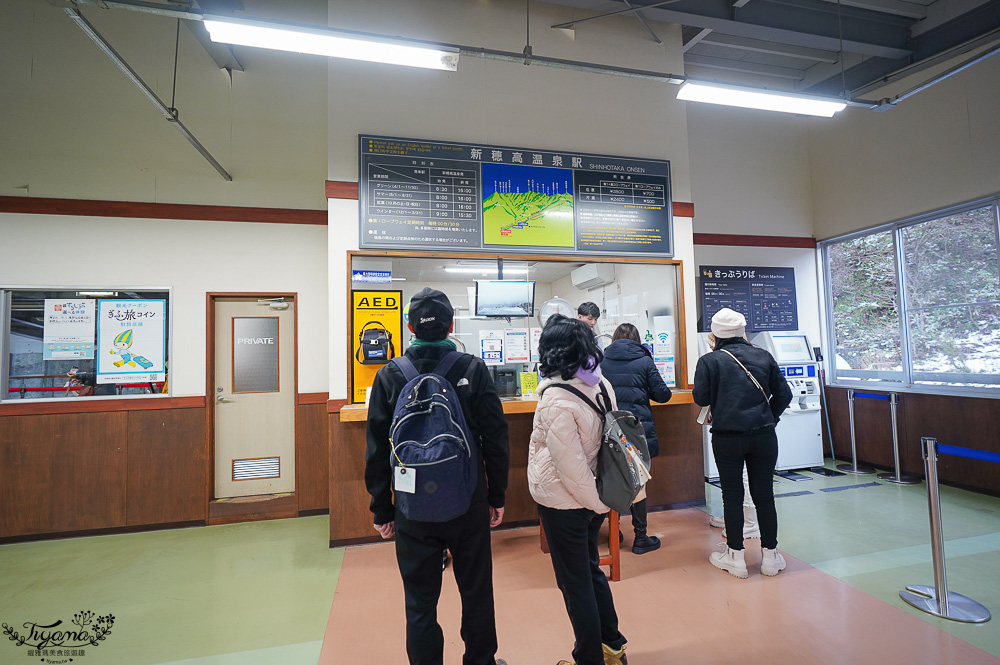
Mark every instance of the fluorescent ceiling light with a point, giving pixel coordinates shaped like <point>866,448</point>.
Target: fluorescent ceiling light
<point>331,43</point>
<point>751,98</point>
<point>487,269</point>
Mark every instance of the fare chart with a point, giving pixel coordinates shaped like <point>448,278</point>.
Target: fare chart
<point>432,195</point>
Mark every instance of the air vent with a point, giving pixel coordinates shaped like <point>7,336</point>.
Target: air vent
<point>256,468</point>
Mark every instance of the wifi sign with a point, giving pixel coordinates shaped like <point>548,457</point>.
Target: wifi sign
<point>663,337</point>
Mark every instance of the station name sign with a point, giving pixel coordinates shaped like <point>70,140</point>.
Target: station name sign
<point>435,195</point>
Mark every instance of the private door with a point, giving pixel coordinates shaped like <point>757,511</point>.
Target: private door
<point>254,396</point>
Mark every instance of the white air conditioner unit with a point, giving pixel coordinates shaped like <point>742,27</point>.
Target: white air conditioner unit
<point>593,275</point>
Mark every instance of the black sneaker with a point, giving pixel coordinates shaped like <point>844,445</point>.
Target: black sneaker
<point>645,544</point>
<point>444,560</point>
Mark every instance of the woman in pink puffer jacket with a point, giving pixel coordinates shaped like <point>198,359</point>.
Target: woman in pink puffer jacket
<point>562,457</point>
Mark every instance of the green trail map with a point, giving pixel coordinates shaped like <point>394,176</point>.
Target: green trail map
<point>528,218</point>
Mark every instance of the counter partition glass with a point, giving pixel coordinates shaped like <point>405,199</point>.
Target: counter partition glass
<point>501,305</point>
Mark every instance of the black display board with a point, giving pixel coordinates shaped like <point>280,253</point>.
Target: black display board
<point>436,195</point>
<point>765,296</point>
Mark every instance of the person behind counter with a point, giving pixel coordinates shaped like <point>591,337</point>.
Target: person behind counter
<point>629,367</point>
<point>562,457</point>
<point>589,313</point>
<point>419,544</point>
<point>731,380</point>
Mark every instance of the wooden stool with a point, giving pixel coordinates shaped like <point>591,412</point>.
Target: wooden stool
<point>613,559</point>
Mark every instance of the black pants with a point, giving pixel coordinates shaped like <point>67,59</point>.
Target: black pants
<point>418,553</point>
<point>760,453</point>
<point>572,538</point>
<point>639,518</point>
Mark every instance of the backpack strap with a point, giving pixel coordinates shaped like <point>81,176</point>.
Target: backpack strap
<point>446,363</point>
<point>405,365</point>
<point>606,396</point>
<point>444,366</point>
<point>600,412</point>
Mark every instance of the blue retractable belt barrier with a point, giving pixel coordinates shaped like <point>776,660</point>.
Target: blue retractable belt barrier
<point>871,395</point>
<point>968,452</point>
<point>937,599</point>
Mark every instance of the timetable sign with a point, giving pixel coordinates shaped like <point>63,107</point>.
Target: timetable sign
<point>416,194</point>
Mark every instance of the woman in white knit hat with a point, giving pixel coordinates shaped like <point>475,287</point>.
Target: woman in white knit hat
<point>747,393</point>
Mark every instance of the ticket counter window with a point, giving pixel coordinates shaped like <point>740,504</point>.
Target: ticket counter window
<point>500,307</point>
<point>72,344</point>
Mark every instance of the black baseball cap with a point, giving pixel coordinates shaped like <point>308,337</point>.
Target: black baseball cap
<point>430,313</point>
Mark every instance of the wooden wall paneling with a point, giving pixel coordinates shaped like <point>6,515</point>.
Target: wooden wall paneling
<point>957,421</point>
<point>312,456</point>
<point>836,403</point>
<point>679,470</point>
<point>872,430</point>
<point>519,505</point>
<point>350,518</point>
<point>62,473</point>
<point>167,466</point>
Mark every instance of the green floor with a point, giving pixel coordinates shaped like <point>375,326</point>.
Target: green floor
<point>243,593</point>
<point>258,593</point>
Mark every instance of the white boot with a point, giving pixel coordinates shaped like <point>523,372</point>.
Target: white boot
<point>772,562</point>
<point>719,522</point>
<point>750,527</point>
<point>731,561</point>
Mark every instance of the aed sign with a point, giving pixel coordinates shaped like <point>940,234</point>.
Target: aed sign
<point>376,336</point>
<point>255,354</point>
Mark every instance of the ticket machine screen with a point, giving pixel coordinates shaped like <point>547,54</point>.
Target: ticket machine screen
<point>791,348</point>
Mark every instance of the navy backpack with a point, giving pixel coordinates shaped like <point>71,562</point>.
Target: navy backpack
<point>429,436</point>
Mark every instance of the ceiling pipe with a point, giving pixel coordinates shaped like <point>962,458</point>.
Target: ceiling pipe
<point>131,74</point>
<point>909,70</point>
<point>888,103</point>
<point>489,54</point>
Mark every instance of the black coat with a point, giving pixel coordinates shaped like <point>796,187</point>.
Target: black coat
<point>738,407</point>
<point>480,405</point>
<point>632,372</point>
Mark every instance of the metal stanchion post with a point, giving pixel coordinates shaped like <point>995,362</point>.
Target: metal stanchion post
<point>937,600</point>
<point>897,477</point>
<point>853,466</point>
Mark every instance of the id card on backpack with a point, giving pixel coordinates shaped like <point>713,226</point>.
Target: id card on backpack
<point>405,479</point>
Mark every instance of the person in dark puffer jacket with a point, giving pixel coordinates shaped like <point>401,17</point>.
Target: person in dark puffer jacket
<point>745,411</point>
<point>629,367</point>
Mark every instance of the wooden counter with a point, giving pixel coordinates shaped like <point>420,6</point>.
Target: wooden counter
<point>678,472</point>
<point>359,412</point>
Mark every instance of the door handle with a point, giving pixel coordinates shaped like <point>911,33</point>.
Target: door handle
<point>220,398</point>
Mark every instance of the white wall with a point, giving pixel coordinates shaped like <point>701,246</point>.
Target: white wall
<point>190,257</point>
<point>75,127</point>
<point>750,171</point>
<point>501,103</point>
<point>807,294</point>
<point>938,148</point>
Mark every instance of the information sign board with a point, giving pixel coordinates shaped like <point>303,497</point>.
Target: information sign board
<point>416,194</point>
<point>765,296</point>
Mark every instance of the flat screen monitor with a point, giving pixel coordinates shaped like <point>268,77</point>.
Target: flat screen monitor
<point>791,348</point>
<point>504,297</point>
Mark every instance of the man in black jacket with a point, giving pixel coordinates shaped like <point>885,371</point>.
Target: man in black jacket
<point>744,386</point>
<point>419,544</point>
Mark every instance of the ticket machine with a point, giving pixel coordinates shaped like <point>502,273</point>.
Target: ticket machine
<point>800,437</point>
